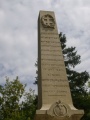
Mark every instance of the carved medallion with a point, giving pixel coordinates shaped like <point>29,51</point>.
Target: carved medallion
<point>60,109</point>
<point>48,21</point>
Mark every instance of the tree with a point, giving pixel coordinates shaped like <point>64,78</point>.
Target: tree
<point>29,106</point>
<point>11,107</point>
<point>77,80</point>
<point>11,93</point>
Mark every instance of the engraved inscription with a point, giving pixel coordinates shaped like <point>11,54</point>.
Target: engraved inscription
<point>51,54</point>
<point>49,33</point>
<point>52,80</point>
<point>53,64</point>
<point>54,50</point>
<point>53,91</point>
<point>52,69</point>
<point>49,85</point>
<point>50,46</point>
<point>52,59</point>
<point>44,41</point>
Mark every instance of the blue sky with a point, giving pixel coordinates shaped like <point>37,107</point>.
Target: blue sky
<point>18,34</point>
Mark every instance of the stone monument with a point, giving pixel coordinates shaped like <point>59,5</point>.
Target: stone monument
<point>54,97</point>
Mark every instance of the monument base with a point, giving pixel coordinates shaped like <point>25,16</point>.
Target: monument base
<point>59,111</point>
<point>48,117</point>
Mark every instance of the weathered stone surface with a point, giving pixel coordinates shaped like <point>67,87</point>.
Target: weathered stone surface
<point>54,95</point>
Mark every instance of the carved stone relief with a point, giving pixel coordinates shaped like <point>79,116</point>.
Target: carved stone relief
<point>60,109</point>
<point>48,21</point>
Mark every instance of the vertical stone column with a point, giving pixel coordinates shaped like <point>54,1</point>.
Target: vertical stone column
<point>54,97</point>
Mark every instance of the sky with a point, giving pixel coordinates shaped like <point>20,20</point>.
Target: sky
<point>18,34</point>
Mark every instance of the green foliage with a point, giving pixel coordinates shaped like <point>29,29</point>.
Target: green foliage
<point>70,54</point>
<point>29,106</point>
<point>10,106</point>
<point>36,80</point>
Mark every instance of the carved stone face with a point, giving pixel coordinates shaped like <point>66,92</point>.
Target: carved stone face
<point>48,21</point>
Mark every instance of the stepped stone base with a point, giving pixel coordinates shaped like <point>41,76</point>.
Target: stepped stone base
<point>48,117</point>
<point>59,111</point>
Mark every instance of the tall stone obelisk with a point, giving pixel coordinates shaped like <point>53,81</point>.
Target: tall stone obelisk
<point>54,97</point>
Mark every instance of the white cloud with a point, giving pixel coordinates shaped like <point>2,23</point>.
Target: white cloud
<point>18,33</point>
